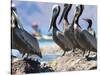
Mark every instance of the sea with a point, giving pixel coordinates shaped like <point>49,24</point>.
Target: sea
<point>45,58</point>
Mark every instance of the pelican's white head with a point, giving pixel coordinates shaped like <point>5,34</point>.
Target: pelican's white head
<point>12,21</point>
<point>55,6</point>
<point>55,13</point>
<point>13,5</point>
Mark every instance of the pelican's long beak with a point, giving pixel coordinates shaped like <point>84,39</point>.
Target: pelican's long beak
<point>56,10</point>
<point>52,21</point>
<point>63,13</point>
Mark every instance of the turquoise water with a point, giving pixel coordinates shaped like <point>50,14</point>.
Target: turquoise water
<point>46,42</point>
<point>47,57</point>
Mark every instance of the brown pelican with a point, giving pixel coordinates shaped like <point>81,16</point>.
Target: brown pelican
<point>83,37</point>
<point>89,28</point>
<point>22,40</point>
<point>68,29</point>
<point>19,23</point>
<point>58,36</point>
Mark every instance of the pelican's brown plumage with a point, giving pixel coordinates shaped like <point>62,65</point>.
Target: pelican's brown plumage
<point>58,36</point>
<point>22,40</point>
<point>68,29</point>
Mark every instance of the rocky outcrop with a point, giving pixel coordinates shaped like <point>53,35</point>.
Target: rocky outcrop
<point>74,62</point>
<point>70,62</point>
<point>26,66</point>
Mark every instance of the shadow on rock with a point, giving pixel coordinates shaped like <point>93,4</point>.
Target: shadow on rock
<point>32,66</point>
<point>46,68</point>
<point>29,66</point>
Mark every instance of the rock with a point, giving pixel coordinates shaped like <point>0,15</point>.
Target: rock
<point>73,62</point>
<point>26,66</point>
<point>70,62</point>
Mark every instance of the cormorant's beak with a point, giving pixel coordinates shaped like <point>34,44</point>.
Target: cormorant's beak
<point>89,22</point>
<point>63,13</point>
<point>85,19</point>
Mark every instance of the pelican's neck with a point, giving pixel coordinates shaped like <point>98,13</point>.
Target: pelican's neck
<point>90,30</point>
<point>77,16</point>
<point>14,23</point>
<point>76,27</point>
<point>66,18</point>
<point>66,25</point>
<point>77,19</point>
<point>54,30</point>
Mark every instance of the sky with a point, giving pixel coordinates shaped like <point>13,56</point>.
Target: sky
<point>40,13</point>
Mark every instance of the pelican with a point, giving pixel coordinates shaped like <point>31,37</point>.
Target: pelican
<point>83,37</point>
<point>58,36</point>
<point>89,28</point>
<point>68,29</point>
<point>66,9</point>
<point>22,40</point>
<point>19,23</point>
